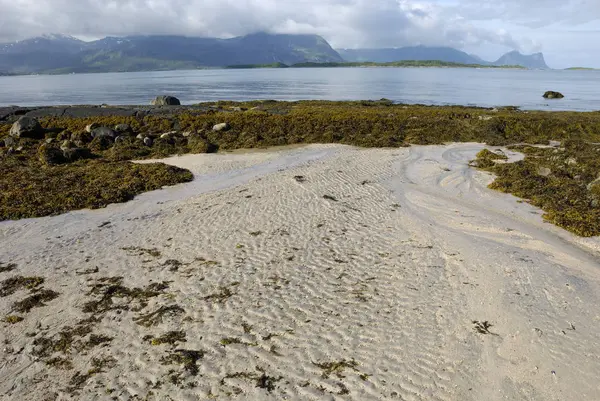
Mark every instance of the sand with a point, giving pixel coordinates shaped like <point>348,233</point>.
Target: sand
<point>323,272</point>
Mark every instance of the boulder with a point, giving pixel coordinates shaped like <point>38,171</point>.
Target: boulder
<point>74,154</point>
<point>148,141</point>
<point>101,143</point>
<point>221,127</point>
<point>123,129</point>
<point>103,131</point>
<point>27,127</point>
<point>553,95</point>
<point>91,127</point>
<point>50,155</point>
<point>81,138</point>
<point>165,101</point>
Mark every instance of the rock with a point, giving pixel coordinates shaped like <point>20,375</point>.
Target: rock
<point>168,134</point>
<point>92,127</point>
<point>165,101</point>
<point>81,138</point>
<point>544,171</point>
<point>187,134</point>
<point>123,128</point>
<point>571,161</point>
<point>67,145</point>
<point>103,131</point>
<point>554,144</point>
<point>553,95</point>
<point>148,141</point>
<point>10,141</point>
<point>50,155</point>
<point>221,127</point>
<point>19,149</point>
<point>74,154</point>
<point>140,137</point>
<point>101,143</point>
<point>50,140</point>
<point>27,127</point>
<point>120,139</point>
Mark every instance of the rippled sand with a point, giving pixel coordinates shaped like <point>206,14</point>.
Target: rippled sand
<point>322,272</point>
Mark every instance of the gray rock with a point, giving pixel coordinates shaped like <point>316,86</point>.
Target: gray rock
<point>140,137</point>
<point>553,95</point>
<point>165,101</point>
<point>10,141</point>
<point>27,127</point>
<point>148,141</point>
<point>50,140</point>
<point>221,127</point>
<point>187,133</point>
<point>123,128</point>
<point>103,131</point>
<point>120,138</point>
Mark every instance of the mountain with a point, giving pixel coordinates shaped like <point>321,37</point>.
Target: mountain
<point>58,53</point>
<point>446,54</point>
<point>408,53</point>
<point>534,61</point>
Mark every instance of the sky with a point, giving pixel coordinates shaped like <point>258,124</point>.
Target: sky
<point>566,31</point>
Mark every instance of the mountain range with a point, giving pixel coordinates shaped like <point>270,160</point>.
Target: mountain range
<point>448,54</point>
<point>66,54</point>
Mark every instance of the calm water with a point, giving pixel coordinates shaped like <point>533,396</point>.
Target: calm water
<point>480,87</point>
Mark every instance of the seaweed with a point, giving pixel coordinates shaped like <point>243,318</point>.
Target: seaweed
<point>188,358</point>
<point>37,300</point>
<point>336,367</point>
<point>156,317</point>
<point>14,284</point>
<point>170,338</point>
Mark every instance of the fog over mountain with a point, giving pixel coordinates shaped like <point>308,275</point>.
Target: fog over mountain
<point>566,31</point>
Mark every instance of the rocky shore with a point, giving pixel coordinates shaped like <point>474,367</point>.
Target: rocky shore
<point>58,141</point>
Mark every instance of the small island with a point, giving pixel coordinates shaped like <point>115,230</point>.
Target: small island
<point>396,64</point>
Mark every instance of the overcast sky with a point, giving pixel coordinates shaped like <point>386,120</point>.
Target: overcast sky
<point>567,31</point>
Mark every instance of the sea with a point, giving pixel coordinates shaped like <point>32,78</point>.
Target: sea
<point>430,86</point>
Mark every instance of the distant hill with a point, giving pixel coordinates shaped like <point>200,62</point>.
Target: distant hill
<point>534,61</point>
<point>64,54</point>
<point>446,54</point>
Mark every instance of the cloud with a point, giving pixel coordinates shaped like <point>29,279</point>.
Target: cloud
<point>345,23</point>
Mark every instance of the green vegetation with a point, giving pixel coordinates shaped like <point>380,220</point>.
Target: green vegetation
<point>403,63</point>
<point>250,66</point>
<point>110,177</point>
<point>561,181</point>
<point>581,69</point>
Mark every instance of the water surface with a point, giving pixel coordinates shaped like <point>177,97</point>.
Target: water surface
<point>439,86</point>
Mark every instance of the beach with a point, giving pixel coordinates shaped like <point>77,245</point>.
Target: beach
<point>317,272</point>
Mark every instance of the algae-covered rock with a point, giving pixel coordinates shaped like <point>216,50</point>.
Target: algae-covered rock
<point>81,138</point>
<point>74,154</point>
<point>101,143</point>
<point>50,155</point>
<point>165,101</point>
<point>27,127</point>
<point>221,127</point>
<point>553,95</point>
<point>103,131</point>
